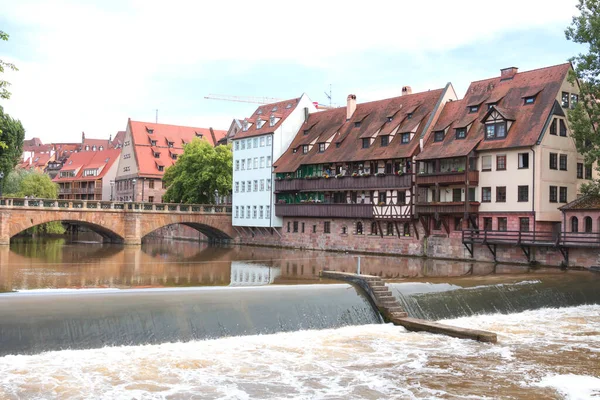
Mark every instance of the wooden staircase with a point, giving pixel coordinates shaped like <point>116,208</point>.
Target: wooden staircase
<point>384,299</point>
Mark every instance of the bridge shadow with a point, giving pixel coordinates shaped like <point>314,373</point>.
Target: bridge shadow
<point>106,234</point>
<point>211,233</point>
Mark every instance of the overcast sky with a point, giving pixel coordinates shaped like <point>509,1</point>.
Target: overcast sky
<point>90,65</point>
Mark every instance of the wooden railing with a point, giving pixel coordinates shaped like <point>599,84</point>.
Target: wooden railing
<point>447,207</point>
<point>448,178</point>
<point>371,182</point>
<point>112,206</point>
<point>533,238</point>
<point>80,190</point>
<point>324,210</point>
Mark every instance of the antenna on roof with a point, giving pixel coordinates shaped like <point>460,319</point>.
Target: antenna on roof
<point>157,115</point>
<point>329,95</point>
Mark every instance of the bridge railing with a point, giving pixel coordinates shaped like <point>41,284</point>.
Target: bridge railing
<point>11,202</point>
<point>541,238</point>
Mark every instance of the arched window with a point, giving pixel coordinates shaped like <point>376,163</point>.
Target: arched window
<point>344,230</point>
<point>587,222</point>
<point>390,229</point>
<point>373,228</point>
<point>574,225</point>
<point>406,229</point>
<point>359,228</point>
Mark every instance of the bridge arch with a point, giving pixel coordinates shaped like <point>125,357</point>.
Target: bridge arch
<point>103,231</point>
<point>210,231</point>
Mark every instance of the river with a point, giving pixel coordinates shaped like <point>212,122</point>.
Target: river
<point>331,347</point>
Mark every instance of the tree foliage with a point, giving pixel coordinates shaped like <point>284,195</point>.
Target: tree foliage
<point>584,119</point>
<point>38,185</point>
<point>12,182</point>
<point>199,172</point>
<point>4,93</point>
<point>12,135</point>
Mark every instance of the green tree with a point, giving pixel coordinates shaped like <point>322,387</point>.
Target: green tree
<point>199,172</point>
<point>12,135</point>
<point>584,120</point>
<point>12,182</point>
<point>4,93</point>
<point>38,185</point>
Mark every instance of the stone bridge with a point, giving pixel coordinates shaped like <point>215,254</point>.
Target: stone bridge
<point>118,222</point>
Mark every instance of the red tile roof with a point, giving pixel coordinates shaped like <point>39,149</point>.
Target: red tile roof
<point>162,134</point>
<point>368,119</point>
<point>37,161</point>
<point>508,96</point>
<point>118,139</point>
<point>81,161</point>
<point>589,202</point>
<point>280,109</point>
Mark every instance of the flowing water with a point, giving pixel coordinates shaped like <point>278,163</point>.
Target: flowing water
<point>179,320</point>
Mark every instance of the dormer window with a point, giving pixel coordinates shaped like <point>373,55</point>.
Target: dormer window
<point>409,116</point>
<point>461,133</point>
<point>438,136</point>
<point>87,148</point>
<point>294,151</point>
<point>149,130</point>
<point>289,105</point>
<point>161,168</point>
<point>245,126</point>
<point>389,119</point>
<point>357,124</point>
<point>274,109</point>
<point>490,105</point>
<point>473,109</point>
<point>171,144</point>
<point>366,142</point>
<point>306,131</point>
<point>529,100</point>
<point>156,154</point>
<point>174,156</point>
<point>153,142</point>
<point>259,112</point>
<point>495,130</point>
<point>405,138</point>
<point>259,123</point>
<point>305,149</point>
<point>574,100</point>
<point>272,120</point>
<point>385,140</point>
<point>199,134</point>
<point>101,148</point>
<point>321,147</point>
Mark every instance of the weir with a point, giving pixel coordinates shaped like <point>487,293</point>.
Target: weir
<point>37,322</point>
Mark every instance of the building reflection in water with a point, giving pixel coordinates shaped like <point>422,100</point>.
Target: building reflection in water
<point>39,264</point>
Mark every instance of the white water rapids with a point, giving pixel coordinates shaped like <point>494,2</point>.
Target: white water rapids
<point>547,353</point>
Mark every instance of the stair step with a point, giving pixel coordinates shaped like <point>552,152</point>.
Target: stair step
<point>377,284</point>
<point>380,288</point>
<point>389,303</point>
<point>396,309</point>
<point>399,315</point>
<point>383,295</point>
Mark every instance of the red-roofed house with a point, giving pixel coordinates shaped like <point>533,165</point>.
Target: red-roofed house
<point>88,175</point>
<point>148,150</point>
<point>36,161</point>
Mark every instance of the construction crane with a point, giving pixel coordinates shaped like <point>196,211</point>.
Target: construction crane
<point>243,99</point>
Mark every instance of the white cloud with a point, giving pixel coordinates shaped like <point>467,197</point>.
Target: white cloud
<point>90,65</point>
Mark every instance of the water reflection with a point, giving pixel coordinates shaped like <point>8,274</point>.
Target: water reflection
<point>59,263</point>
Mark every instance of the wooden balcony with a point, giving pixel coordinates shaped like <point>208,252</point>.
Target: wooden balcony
<point>448,208</point>
<point>372,182</point>
<point>91,190</point>
<point>324,210</point>
<point>448,178</point>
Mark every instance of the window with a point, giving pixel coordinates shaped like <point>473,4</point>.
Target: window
<point>161,168</point>
<point>529,100</point>
<point>153,142</point>
<point>456,195</point>
<point>243,186</point>
<point>409,116</point>
<point>553,194</point>
<point>438,136</point>
<point>249,186</point>
<point>150,199</point>
<point>305,149</point>
<point>237,211</point>
<point>501,163</point>
<point>243,144</point>
<point>288,226</point>
<point>588,172</point>
<point>262,185</point>
<point>359,228</point>
<point>405,138</point>
<point>579,170</point>
<point>303,225</point>
<point>524,224</point>
<point>242,212</point>
<point>255,141</point>
<point>321,147</point>
<point>587,224</point>
<point>563,162</point>
<point>268,162</point>
<point>254,212</point>
<point>486,163</point>
<point>255,162</point>
<point>458,223</point>
<point>563,128</point>
<point>385,140</point>
<point>326,227</point>
<point>314,230</point>
<point>486,194</point>
<point>523,193</point>
<point>344,230</point>
<point>249,162</point>
<point>248,211</point>
<point>389,229</point>
<point>382,197</point>
<point>237,145</point>
<point>262,141</point>
<point>553,127</point>
<point>500,194</point>
<point>461,133</point>
<point>487,223</point>
<point>357,124</point>
<point>574,100</point>
<point>437,224</point>
<point>243,165</point>
<point>502,223</point>
<point>295,226</point>
<point>267,212</point>
<point>237,187</point>
<point>574,225</point>
<point>523,160</point>
<point>126,156</point>
<point>261,212</point>
<point>365,143</point>
<point>237,165</point>
<point>151,184</point>
<point>269,140</point>
<point>495,131</point>
<point>565,99</point>
<point>562,194</point>
<point>406,229</point>
<point>256,185</point>
<point>373,228</point>
<point>553,161</point>
<point>156,154</point>
<point>268,184</point>
<point>473,109</point>
<point>262,162</point>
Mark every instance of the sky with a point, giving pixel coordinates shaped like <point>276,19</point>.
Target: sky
<point>88,66</point>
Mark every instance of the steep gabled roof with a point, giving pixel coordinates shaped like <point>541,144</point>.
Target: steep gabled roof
<point>404,114</point>
<point>89,160</point>
<point>280,109</point>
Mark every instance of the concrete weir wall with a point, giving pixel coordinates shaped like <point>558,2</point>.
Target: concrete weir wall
<point>437,245</point>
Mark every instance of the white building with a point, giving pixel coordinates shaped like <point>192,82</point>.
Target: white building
<point>264,137</point>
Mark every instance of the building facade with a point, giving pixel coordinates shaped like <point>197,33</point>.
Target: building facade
<point>88,176</point>
<point>148,150</point>
<point>263,138</point>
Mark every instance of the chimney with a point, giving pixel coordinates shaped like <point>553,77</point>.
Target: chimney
<point>406,90</point>
<point>306,114</point>
<point>508,73</point>
<point>351,106</point>
<point>212,134</point>
<point>82,137</point>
